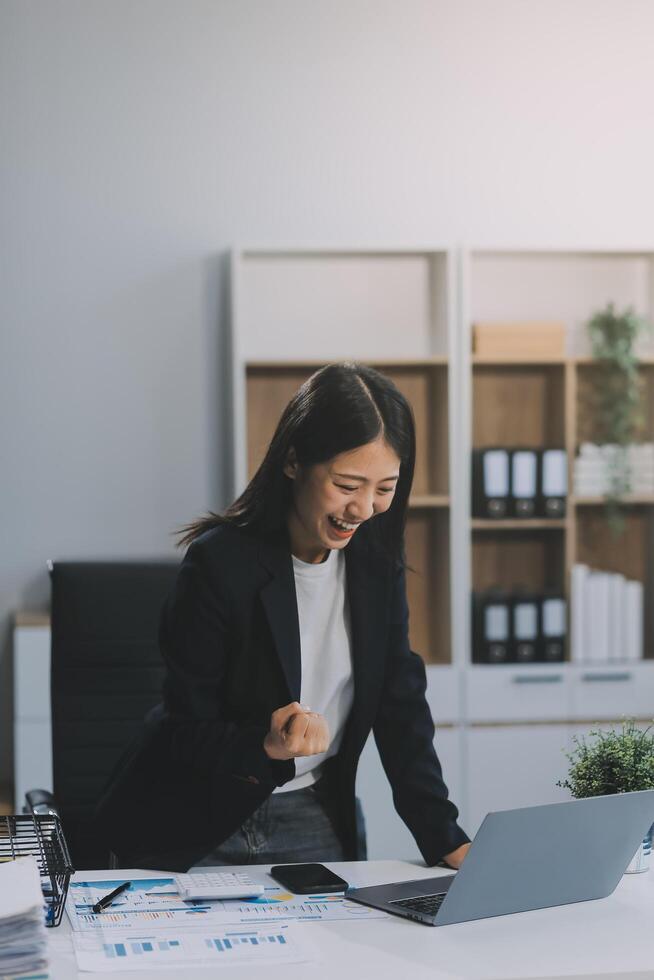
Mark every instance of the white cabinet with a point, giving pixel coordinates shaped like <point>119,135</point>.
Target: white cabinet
<point>539,692</point>
<point>605,691</point>
<point>32,736</point>
<point>32,759</point>
<point>508,764</point>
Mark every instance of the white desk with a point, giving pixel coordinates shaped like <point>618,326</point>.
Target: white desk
<point>609,939</point>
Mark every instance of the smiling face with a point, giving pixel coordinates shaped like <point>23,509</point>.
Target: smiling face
<point>331,500</point>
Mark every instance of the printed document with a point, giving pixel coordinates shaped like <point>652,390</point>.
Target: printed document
<point>153,904</point>
<point>22,918</point>
<point>117,951</point>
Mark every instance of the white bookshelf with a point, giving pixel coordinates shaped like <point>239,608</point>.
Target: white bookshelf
<point>304,307</point>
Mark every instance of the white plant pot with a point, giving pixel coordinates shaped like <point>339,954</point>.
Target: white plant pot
<point>640,860</point>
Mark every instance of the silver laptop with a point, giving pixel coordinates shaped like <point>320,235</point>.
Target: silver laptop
<point>530,858</point>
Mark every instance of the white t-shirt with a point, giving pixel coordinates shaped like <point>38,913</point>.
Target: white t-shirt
<point>326,653</point>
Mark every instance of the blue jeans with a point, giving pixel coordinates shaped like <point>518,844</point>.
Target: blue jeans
<point>287,828</point>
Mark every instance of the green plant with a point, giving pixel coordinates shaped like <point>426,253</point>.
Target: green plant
<point>617,762</point>
<point>618,399</point>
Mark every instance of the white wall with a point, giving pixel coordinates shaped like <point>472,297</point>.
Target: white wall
<point>141,138</point>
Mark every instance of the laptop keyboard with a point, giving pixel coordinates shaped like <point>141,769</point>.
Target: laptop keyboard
<point>427,904</point>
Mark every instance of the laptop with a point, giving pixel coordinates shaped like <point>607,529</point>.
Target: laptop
<point>531,858</point>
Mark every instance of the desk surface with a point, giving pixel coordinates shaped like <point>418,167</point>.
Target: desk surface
<point>609,939</point>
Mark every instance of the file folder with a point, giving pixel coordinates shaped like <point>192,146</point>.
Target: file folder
<point>525,629</point>
<point>553,629</point>
<point>491,628</point>
<point>490,483</point>
<point>618,628</point>
<point>598,610</point>
<point>634,607</point>
<point>553,482</point>
<point>524,482</point>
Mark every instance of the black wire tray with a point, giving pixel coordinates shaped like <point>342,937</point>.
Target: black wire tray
<point>40,836</point>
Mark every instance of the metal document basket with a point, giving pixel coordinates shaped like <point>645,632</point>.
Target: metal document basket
<point>40,836</point>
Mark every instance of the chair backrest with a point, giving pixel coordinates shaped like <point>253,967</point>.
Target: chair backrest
<point>106,675</point>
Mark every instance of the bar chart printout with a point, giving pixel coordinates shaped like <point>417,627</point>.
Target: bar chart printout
<point>153,903</point>
<point>114,952</point>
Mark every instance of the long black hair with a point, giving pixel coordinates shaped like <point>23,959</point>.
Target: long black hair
<point>339,408</point>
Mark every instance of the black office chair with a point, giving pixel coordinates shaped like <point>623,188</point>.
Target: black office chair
<point>106,674</point>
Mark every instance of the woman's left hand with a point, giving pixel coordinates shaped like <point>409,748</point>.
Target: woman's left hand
<point>455,858</point>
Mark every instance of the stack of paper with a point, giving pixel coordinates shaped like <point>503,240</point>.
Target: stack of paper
<point>22,919</point>
<point>602,470</point>
<point>607,616</point>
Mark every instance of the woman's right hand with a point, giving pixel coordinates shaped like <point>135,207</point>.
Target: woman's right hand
<point>295,731</point>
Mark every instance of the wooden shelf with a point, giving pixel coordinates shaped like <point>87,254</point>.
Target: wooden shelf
<point>28,617</point>
<point>632,499</point>
<point>518,524</point>
<point>518,404</point>
<point>647,360</point>
<point>520,361</point>
<point>523,556</point>
<point>420,501</point>
<point>436,360</point>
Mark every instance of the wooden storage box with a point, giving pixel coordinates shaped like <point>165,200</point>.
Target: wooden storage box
<point>519,340</point>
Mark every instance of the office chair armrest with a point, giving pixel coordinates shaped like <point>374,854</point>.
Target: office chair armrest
<point>40,801</point>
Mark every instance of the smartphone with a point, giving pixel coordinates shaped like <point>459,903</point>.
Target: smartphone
<point>307,879</point>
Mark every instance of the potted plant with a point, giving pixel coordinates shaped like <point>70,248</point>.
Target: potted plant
<point>617,396</point>
<point>615,762</point>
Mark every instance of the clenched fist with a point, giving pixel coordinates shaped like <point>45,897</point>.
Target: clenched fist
<point>295,731</point>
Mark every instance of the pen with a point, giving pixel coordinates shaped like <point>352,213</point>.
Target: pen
<point>108,899</point>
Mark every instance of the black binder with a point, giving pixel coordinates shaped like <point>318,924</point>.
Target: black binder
<point>524,482</point>
<point>553,488</point>
<point>491,628</point>
<point>553,620</point>
<point>490,483</point>
<point>525,628</point>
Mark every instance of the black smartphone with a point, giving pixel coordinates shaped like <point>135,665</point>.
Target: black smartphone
<point>307,879</point>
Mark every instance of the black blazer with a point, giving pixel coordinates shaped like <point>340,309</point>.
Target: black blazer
<point>230,638</point>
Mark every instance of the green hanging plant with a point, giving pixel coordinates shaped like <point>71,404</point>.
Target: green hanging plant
<point>618,396</point>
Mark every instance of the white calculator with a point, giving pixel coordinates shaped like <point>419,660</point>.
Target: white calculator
<point>205,886</point>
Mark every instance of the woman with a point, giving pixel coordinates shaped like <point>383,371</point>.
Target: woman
<point>286,642</point>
